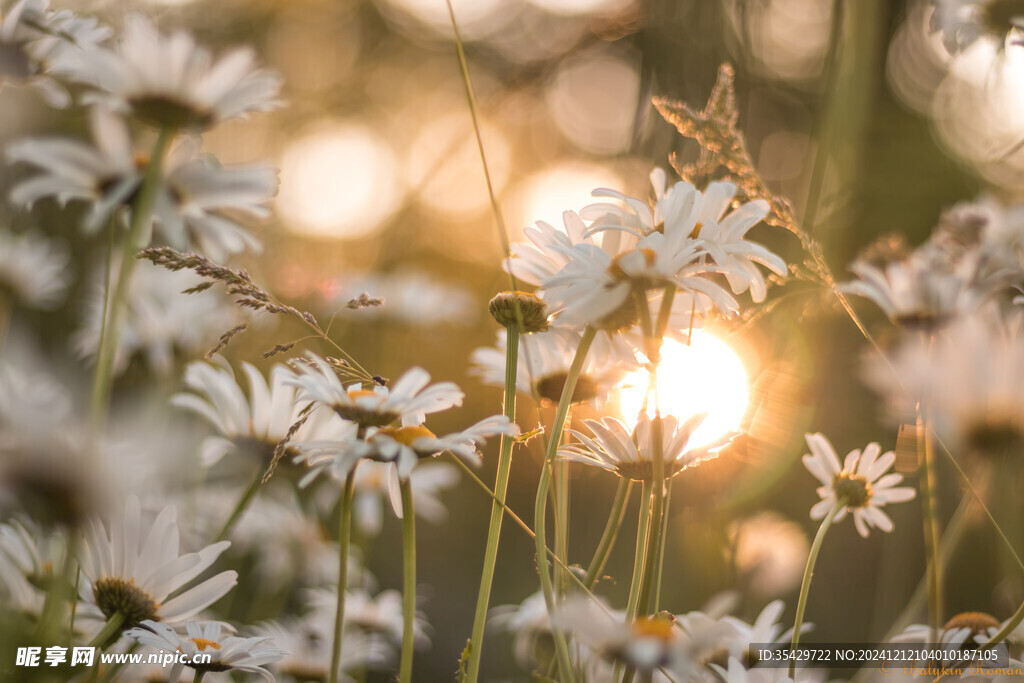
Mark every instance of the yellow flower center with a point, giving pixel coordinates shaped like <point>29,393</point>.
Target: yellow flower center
<point>406,435</point>
<point>855,488</point>
<point>659,627</point>
<point>203,643</point>
<point>978,622</point>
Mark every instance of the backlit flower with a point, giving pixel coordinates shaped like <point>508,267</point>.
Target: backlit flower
<point>227,652</point>
<point>33,268</point>
<point>133,568</point>
<point>631,456</point>
<point>861,483</point>
<point>169,81</point>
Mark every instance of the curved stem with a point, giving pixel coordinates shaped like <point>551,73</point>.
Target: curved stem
<point>540,506</point>
<point>142,210</point>
<point>929,509</point>
<point>805,586</point>
<point>408,581</point>
<point>611,530</point>
<point>344,538</point>
<point>661,554</point>
<point>109,632</point>
<point>497,506</point>
<point>240,507</point>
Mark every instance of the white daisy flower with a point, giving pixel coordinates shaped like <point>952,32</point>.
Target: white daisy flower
<point>923,290</point>
<point>736,673</point>
<point>769,552</point>
<point>683,214</point>
<point>169,81</point>
<point>408,400</point>
<point>377,481</point>
<point>545,358</point>
<point>861,482</point>
<point>402,446</point>
<point>549,249</point>
<point>257,421</point>
<point>29,559</point>
<point>161,322</point>
<point>227,652</point>
<point>530,624</point>
<point>35,40</point>
<point>969,378</point>
<point>374,615</point>
<point>308,642</point>
<point>962,22</point>
<point>191,202</point>
<point>631,456</point>
<point>647,643</point>
<point>599,289</point>
<point>133,569</point>
<point>34,268</point>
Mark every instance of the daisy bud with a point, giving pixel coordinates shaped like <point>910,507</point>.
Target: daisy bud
<point>532,308</point>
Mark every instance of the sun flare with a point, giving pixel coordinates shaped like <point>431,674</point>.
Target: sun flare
<point>706,376</point>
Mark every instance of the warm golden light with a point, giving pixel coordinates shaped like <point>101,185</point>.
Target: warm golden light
<point>706,376</point>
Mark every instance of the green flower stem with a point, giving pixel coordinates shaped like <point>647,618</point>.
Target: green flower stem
<point>642,539</point>
<point>109,632</point>
<point>497,506</point>
<point>240,507</point>
<point>142,211</point>
<point>661,554</point>
<point>540,506</point>
<point>805,585</point>
<point>561,478</point>
<point>408,581</point>
<point>654,529</point>
<point>929,510</point>
<point>639,557</point>
<point>611,530</point>
<point>200,674</point>
<point>344,538</point>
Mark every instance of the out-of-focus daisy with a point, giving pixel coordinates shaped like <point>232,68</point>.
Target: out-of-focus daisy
<point>923,290</point>
<point>530,624</point>
<point>631,456</point>
<point>377,481</point>
<point>646,644</point>
<point>769,552</point>
<point>227,652</point>
<point>33,269</point>
<point>256,422</point>
<point>962,22</point>
<point>30,559</point>
<point>132,570</point>
<point>968,378</point>
<point>545,358</point>
<point>308,642</point>
<point>193,201</point>
<point>377,615</point>
<point>861,483</point>
<point>161,320</point>
<point>169,81</point>
<point>35,40</point>
<point>408,400</point>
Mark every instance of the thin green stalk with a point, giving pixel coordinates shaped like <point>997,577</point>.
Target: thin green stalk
<point>654,529</point>
<point>611,531</point>
<point>642,538</point>
<point>408,581</point>
<point>805,585</point>
<point>661,554</point>
<point>929,510</point>
<point>344,538</point>
<point>483,598</point>
<point>200,674</point>
<point>240,506</point>
<point>107,634</point>
<point>561,477</point>
<point>540,506</point>
<point>639,557</point>
<point>142,210</point>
